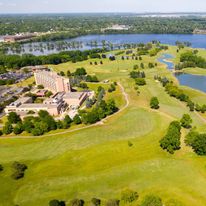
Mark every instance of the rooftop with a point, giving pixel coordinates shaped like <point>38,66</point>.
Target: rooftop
<point>73,95</point>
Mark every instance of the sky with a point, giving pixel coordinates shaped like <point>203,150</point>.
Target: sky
<point>68,6</point>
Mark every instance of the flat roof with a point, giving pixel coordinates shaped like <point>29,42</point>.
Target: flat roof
<point>33,106</point>
<point>74,95</point>
<point>21,100</point>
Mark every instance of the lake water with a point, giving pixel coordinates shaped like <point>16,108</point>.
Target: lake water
<point>197,41</point>
<point>194,81</point>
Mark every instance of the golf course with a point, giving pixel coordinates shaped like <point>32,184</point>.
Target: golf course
<point>120,152</point>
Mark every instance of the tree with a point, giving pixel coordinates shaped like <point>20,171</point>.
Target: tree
<point>129,196</point>
<point>56,203</point>
<point>77,202</point>
<point>68,73</point>
<point>142,65</point>
<point>140,81</point>
<point>171,141</point>
<point>66,122</point>
<point>80,72</point>
<point>8,128</point>
<point>13,118</point>
<point>1,168</point>
<point>61,73</point>
<point>19,170</point>
<point>77,119</point>
<point>95,202</point>
<point>49,93</point>
<point>151,200</point>
<point>186,121</point>
<point>198,143</point>
<point>191,137</point>
<point>154,103</point>
<point>113,202</point>
<point>18,129</point>
<point>40,86</point>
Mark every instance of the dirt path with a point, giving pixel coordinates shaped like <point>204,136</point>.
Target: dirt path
<point>82,128</point>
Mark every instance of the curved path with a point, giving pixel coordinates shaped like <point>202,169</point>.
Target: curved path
<point>78,129</point>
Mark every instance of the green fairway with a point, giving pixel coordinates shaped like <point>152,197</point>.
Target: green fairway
<point>97,161</point>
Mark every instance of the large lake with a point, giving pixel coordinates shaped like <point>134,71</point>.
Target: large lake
<point>83,42</point>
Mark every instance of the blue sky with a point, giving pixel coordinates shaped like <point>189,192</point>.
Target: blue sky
<point>39,6</point>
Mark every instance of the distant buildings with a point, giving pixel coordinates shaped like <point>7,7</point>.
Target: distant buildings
<point>52,81</point>
<point>117,27</point>
<point>18,38</point>
<point>199,31</point>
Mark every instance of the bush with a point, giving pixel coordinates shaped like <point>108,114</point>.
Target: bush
<point>140,81</point>
<point>77,119</point>
<point>129,196</point>
<point>19,170</point>
<point>77,202</point>
<point>198,144</point>
<point>95,202</point>
<point>18,129</point>
<point>13,118</point>
<point>56,203</point>
<point>186,121</point>
<point>113,202</point>
<point>7,129</point>
<point>1,168</point>
<point>154,103</point>
<point>151,200</point>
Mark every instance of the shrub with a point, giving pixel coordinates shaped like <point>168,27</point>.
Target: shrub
<point>13,118</point>
<point>7,129</point>
<point>77,119</point>
<point>18,129</point>
<point>1,168</point>
<point>130,144</point>
<point>140,81</point>
<point>19,170</point>
<point>154,103</point>
<point>199,144</point>
<point>95,202</point>
<point>129,196</point>
<point>77,202</point>
<point>56,203</point>
<point>151,200</point>
<point>113,202</point>
<point>186,121</point>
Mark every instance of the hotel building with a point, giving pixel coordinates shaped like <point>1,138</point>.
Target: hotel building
<point>52,81</point>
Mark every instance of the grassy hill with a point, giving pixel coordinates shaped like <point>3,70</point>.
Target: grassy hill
<point>98,162</point>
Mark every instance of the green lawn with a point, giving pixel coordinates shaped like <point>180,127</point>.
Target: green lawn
<point>97,162</point>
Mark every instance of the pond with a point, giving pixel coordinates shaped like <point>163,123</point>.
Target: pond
<point>194,81</point>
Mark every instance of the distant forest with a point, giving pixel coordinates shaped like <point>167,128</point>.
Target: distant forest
<point>65,26</point>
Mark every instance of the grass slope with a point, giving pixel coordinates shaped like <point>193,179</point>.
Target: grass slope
<point>97,162</point>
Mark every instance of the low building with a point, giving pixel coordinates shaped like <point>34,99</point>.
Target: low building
<point>75,99</point>
<point>54,106</point>
<point>52,81</point>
